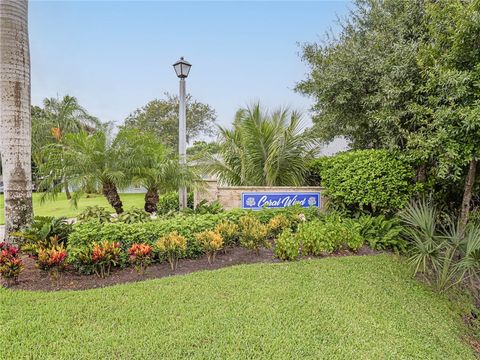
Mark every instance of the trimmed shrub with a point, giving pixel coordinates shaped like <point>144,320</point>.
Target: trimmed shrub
<point>85,234</point>
<point>319,237</point>
<point>372,181</point>
<point>287,246</point>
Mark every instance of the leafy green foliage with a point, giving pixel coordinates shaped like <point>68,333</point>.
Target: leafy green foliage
<point>211,241</point>
<point>318,238</point>
<point>381,233</point>
<point>85,234</point>
<point>277,224</point>
<point>287,246</point>
<point>263,149</point>
<point>324,237</point>
<point>160,118</point>
<point>96,212</point>
<point>57,118</point>
<point>372,181</point>
<point>204,207</point>
<point>44,233</point>
<point>403,76</point>
<point>364,80</point>
<point>134,215</point>
<point>156,168</point>
<point>169,202</point>
<point>86,160</point>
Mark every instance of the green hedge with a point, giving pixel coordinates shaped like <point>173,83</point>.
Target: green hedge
<point>188,225</point>
<point>373,181</point>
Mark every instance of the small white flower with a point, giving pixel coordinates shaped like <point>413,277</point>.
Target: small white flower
<point>250,201</point>
<point>312,201</point>
<point>302,217</point>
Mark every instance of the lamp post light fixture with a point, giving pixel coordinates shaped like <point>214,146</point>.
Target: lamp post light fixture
<point>182,68</point>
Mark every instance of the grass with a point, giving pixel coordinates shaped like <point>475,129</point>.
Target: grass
<point>335,308</point>
<point>62,207</point>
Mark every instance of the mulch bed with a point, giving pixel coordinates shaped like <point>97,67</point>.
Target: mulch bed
<point>33,279</point>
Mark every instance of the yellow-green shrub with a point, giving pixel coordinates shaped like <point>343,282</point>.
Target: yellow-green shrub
<point>211,242</point>
<point>229,232</point>
<point>253,234</point>
<point>287,246</point>
<point>277,224</point>
<point>172,246</point>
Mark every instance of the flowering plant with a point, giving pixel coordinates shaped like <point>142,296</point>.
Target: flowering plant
<point>10,264</point>
<point>173,246</point>
<point>211,242</point>
<point>104,255</point>
<point>140,256</point>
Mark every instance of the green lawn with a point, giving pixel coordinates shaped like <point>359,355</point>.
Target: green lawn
<point>336,308</point>
<point>62,207</point>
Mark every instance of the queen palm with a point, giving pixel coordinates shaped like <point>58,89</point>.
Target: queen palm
<point>263,149</point>
<point>155,167</point>
<point>84,159</point>
<point>57,118</point>
<point>15,122</point>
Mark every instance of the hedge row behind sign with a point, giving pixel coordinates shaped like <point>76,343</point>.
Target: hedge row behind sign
<point>260,200</point>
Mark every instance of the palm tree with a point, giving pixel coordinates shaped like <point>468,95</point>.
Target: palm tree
<point>156,168</point>
<point>84,159</point>
<point>263,149</point>
<point>15,122</point>
<point>57,118</point>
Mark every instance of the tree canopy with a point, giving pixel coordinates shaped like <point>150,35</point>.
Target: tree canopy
<point>404,75</point>
<point>364,81</point>
<point>160,117</point>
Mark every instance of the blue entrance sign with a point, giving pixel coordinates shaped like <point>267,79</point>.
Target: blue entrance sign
<point>260,200</point>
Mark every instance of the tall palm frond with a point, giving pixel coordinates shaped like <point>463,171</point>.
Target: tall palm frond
<point>263,149</point>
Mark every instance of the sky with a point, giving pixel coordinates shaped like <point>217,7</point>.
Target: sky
<point>117,56</point>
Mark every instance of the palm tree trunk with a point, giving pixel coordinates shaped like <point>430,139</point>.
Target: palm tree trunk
<point>110,192</point>
<point>467,192</point>
<point>67,192</point>
<point>15,123</point>
<point>151,200</point>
